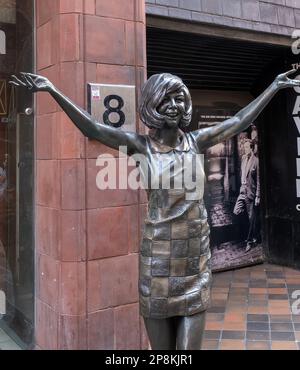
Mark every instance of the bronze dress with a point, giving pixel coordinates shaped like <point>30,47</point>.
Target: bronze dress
<point>174,271</point>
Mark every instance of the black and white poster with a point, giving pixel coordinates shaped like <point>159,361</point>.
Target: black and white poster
<point>232,194</point>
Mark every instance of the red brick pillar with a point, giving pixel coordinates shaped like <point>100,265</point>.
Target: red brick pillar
<point>87,240</point>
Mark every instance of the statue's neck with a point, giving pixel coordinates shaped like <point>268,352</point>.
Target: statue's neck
<point>168,136</point>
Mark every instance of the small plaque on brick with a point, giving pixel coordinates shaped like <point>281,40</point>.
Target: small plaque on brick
<point>113,105</point>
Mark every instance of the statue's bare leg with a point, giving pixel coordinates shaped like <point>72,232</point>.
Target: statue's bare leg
<point>161,333</point>
<point>181,332</point>
<point>190,331</point>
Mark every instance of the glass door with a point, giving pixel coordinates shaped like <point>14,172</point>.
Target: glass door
<point>16,175</point>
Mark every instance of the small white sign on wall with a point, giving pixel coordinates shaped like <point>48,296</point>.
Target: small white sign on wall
<point>2,303</point>
<point>113,105</point>
<point>2,42</point>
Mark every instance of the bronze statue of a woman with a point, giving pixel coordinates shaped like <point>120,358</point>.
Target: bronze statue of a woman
<point>175,275</point>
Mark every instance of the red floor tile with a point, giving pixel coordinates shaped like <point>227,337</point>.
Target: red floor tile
<point>251,309</point>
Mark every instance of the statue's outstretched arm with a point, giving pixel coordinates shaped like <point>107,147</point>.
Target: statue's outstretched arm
<point>242,120</point>
<point>107,135</point>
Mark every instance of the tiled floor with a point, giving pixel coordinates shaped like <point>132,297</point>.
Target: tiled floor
<point>251,309</point>
<point>6,343</point>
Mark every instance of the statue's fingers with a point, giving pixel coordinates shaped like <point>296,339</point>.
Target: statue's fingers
<point>13,77</point>
<point>20,82</point>
<point>23,74</point>
<point>290,72</point>
<point>32,75</point>
<point>27,80</point>
<point>30,79</point>
<point>13,83</point>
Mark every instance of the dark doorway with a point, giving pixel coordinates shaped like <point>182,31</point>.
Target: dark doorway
<point>223,76</point>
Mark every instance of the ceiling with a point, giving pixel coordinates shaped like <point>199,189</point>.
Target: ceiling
<point>210,62</point>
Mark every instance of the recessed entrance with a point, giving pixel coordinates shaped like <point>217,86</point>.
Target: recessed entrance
<point>224,75</point>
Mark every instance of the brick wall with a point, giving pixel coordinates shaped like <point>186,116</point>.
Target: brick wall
<point>87,240</point>
<point>273,16</point>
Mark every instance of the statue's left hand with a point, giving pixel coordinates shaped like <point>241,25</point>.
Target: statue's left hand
<point>32,82</point>
<point>282,81</point>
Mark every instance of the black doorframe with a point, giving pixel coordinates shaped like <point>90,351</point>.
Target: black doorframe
<point>280,174</point>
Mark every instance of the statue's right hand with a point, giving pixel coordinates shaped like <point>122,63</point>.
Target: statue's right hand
<point>31,82</point>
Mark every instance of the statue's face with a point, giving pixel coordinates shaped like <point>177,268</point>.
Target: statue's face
<point>172,108</point>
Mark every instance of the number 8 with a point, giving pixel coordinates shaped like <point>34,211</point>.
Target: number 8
<point>111,109</point>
